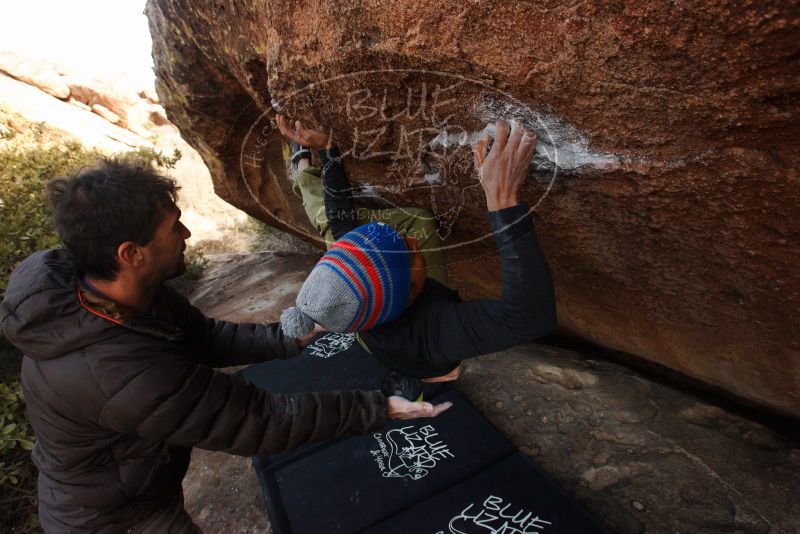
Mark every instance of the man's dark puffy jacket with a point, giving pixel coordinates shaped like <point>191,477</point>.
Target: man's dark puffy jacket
<point>117,404</point>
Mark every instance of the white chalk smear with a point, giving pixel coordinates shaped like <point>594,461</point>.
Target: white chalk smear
<point>559,144</point>
<point>433,178</point>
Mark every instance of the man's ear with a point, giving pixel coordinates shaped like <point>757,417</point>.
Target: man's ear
<point>129,254</point>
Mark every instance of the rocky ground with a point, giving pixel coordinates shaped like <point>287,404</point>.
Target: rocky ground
<point>643,456</point>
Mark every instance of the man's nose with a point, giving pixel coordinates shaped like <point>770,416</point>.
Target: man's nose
<point>185,233</point>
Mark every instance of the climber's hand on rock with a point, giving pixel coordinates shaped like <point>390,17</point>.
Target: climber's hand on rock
<point>503,169</point>
<point>315,139</point>
<point>400,408</point>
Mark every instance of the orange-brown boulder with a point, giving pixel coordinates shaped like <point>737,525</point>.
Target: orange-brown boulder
<point>665,188</point>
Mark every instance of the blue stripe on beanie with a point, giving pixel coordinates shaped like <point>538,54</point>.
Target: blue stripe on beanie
<point>356,267</point>
<point>390,255</point>
<point>382,267</point>
<point>347,281</point>
<point>378,260</point>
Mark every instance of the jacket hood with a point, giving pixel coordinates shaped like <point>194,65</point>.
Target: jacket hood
<point>41,314</point>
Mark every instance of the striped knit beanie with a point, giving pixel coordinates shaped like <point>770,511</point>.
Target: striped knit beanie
<point>364,280</point>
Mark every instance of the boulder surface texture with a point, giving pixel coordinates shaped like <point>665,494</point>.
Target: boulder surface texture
<point>665,188</point>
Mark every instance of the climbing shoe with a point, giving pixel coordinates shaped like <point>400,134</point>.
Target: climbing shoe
<point>396,385</point>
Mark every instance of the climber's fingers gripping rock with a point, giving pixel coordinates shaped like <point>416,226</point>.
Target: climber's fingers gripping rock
<point>314,138</point>
<point>503,168</point>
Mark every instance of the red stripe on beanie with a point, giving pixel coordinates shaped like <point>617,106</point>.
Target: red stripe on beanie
<point>351,275</point>
<point>369,267</point>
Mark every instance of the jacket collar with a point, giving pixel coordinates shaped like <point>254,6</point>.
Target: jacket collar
<point>98,304</point>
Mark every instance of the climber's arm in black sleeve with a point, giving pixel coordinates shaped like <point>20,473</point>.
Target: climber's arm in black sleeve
<point>339,206</point>
<point>525,310</point>
<point>527,307</point>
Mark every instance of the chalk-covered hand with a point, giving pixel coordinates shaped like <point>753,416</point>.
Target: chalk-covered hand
<point>503,169</point>
<point>400,408</point>
<point>313,138</point>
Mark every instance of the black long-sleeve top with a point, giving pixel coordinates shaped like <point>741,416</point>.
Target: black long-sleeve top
<point>438,329</point>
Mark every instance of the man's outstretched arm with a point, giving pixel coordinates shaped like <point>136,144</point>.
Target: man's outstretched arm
<point>174,400</point>
<point>527,308</point>
<point>219,343</point>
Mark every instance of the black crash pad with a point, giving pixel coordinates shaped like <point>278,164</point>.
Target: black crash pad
<point>412,476</point>
<point>512,497</point>
<point>354,483</point>
<point>332,361</point>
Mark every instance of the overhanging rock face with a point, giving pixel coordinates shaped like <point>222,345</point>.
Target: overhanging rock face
<point>665,187</point>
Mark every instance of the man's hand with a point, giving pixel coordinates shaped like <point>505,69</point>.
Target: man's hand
<point>302,341</point>
<point>310,137</point>
<point>505,167</point>
<point>400,408</point>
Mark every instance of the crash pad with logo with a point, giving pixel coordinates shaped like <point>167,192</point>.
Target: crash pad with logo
<point>359,481</point>
<point>454,473</point>
<point>332,361</point>
<point>513,496</point>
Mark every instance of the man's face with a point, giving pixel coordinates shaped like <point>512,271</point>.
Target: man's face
<point>165,251</point>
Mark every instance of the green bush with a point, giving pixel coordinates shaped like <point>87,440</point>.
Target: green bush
<point>26,165</point>
<point>196,264</point>
<point>155,156</point>
<point>24,173</point>
<point>260,228</point>
<point>30,156</point>
<point>17,474</point>
<point>12,432</point>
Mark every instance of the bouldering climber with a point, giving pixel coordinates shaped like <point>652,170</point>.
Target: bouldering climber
<point>373,279</point>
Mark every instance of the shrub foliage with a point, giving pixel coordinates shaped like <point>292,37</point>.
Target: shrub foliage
<point>17,474</point>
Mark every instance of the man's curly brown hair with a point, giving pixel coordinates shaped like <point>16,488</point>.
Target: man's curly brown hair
<point>100,208</point>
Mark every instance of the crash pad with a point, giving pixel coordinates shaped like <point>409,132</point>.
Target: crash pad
<point>453,473</point>
<point>332,361</point>
<point>357,482</point>
<point>512,497</point>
